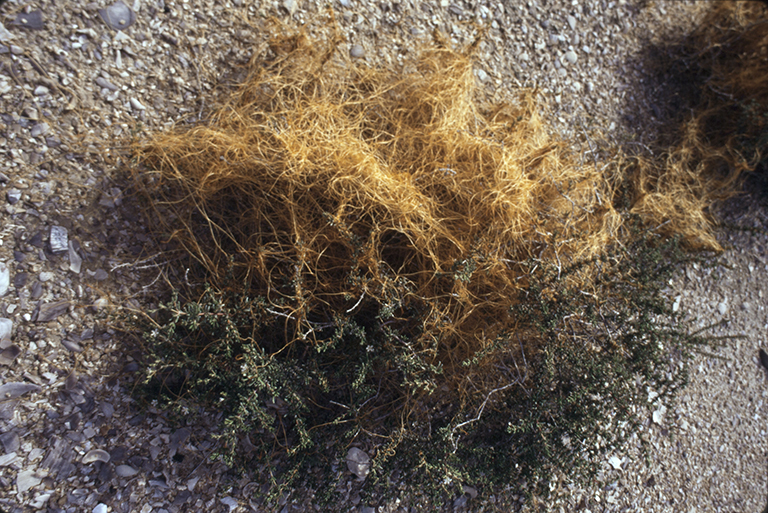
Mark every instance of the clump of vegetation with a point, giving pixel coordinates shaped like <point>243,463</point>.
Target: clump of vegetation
<point>722,135</point>
<point>730,50</point>
<point>386,263</point>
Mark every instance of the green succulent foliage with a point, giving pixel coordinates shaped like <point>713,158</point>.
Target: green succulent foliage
<point>591,359</point>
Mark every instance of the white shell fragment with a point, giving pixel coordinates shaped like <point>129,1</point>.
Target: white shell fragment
<point>6,327</point>
<point>118,16</point>
<point>5,35</point>
<point>5,279</point>
<point>59,239</point>
<point>96,455</point>
<point>7,459</point>
<point>358,462</point>
<point>75,262</point>
<point>14,390</point>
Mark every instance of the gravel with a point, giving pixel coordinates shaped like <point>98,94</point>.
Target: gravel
<point>99,71</point>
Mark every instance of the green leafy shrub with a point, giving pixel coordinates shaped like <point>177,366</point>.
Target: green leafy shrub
<point>577,395</point>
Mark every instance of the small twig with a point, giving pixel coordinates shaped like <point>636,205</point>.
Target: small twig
<point>520,379</point>
<point>153,281</point>
<point>126,264</point>
<point>358,303</point>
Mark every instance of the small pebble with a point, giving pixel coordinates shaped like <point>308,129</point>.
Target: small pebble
<point>108,410</point>
<point>357,51</point>
<point>46,276</point>
<point>358,462</point>
<point>100,508</point>
<point>571,56</point>
<point>125,471</point>
<point>39,129</point>
<point>106,84</point>
<point>36,290</point>
<point>722,307</point>
<point>572,22</point>
<point>27,479</point>
<point>290,6</point>
<point>11,441</point>
<point>122,36</point>
<point>41,91</point>
<point>13,196</point>
<point>230,502</point>
<point>72,346</point>
<point>9,354</point>
<point>136,104</point>
<point>481,75</point>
